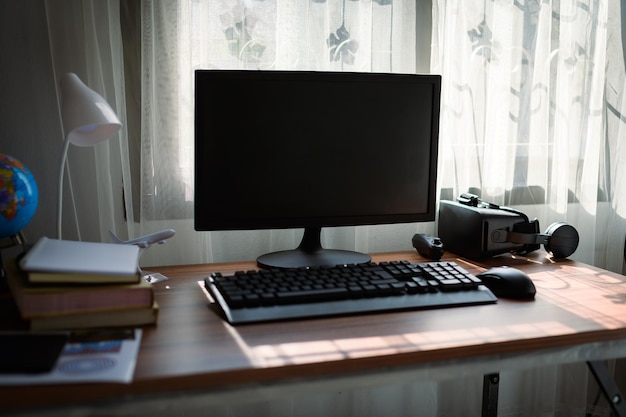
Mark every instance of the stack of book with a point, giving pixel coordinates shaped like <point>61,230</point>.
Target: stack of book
<point>67,285</point>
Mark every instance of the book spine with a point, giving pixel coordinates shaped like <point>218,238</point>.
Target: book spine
<point>122,318</point>
<point>54,303</point>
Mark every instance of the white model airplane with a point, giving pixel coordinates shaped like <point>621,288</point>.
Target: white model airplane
<point>146,240</point>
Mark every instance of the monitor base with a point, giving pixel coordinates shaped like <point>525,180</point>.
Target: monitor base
<point>310,254</point>
<point>298,259</point>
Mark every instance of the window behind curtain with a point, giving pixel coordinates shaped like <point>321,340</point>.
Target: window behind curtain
<point>524,114</point>
<point>179,37</point>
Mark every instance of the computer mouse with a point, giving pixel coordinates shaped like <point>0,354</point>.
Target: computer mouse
<point>508,282</point>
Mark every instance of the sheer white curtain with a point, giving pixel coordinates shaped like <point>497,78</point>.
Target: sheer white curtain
<point>533,117</point>
<point>533,103</point>
<point>85,39</point>
<point>531,113</point>
<point>179,37</point>
<point>533,106</point>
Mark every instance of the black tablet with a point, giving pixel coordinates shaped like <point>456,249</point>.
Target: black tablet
<point>22,352</point>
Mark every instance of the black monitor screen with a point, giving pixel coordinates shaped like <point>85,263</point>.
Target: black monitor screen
<point>299,149</point>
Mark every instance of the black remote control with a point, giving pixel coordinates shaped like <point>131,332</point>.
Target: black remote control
<point>428,246</point>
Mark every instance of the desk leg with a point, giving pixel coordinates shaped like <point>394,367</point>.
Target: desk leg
<point>607,385</point>
<point>491,383</point>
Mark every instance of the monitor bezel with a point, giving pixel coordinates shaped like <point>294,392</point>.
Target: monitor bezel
<point>202,198</point>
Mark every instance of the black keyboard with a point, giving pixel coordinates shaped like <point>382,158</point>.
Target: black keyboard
<point>282,294</point>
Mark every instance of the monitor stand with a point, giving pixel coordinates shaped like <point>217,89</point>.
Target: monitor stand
<point>310,253</point>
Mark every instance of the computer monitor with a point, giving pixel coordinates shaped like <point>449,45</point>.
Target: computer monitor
<point>303,149</point>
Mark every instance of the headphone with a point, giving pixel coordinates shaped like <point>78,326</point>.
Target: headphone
<point>560,239</point>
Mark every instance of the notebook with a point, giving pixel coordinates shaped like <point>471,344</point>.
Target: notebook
<point>68,261</point>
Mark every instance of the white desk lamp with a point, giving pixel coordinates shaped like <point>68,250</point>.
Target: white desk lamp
<point>87,120</point>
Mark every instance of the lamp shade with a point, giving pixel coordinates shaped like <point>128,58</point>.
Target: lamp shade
<point>87,117</point>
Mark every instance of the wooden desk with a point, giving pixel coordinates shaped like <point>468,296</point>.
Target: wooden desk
<point>578,308</point>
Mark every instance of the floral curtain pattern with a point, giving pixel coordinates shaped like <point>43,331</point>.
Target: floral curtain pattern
<point>540,64</point>
<point>527,118</point>
<point>524,121</point>
<point>178,37</point>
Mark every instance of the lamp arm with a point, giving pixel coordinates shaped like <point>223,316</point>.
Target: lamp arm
<point>63,159</point>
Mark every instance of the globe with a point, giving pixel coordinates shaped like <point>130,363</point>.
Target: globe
<point>18,196</point>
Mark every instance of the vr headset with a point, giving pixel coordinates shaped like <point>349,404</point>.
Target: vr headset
<point>477,230</point>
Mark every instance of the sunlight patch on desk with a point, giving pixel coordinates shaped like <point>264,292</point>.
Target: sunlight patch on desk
<point>486,333</point>
<point>304,352</point>
<point>594,300</point>
<point>367,346</point>
<point>440,339</point>
<point>596,297</point>
<point>552,328</point>
<point>540,329</point>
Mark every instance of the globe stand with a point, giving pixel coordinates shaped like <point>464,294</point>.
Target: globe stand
<point>17,239</point>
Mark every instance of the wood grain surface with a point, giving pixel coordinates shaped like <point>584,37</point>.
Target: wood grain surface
<point>193,348</point>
